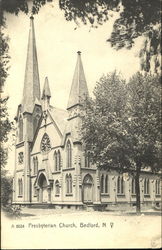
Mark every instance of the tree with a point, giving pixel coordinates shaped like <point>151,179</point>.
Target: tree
<point>6,187</point>
<point>5,124</point>
<point>102,123</point>
<point>136,18</point>
<point>144,124</point>
<point>5,128</point>
<point>121,125</point>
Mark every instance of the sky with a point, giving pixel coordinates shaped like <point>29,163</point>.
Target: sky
<point>57,44</point>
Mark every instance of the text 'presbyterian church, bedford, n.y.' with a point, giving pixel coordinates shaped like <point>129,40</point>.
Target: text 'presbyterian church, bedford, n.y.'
<point>50,164</point>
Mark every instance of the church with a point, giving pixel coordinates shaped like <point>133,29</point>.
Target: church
<point>51,166</point>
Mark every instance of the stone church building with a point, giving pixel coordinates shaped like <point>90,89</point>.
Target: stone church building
<point>50,162</point>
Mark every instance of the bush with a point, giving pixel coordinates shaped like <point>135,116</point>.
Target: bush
<point>12,211</point>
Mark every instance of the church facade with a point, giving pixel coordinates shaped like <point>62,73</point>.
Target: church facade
<point>51,166</point>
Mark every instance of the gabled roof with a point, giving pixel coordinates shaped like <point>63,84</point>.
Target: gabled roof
<point>59,119</point>
<point>59,116</point>
<point>79,90</point>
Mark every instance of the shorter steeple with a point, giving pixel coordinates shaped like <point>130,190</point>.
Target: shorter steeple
<point>79,89</point>
<point>46,89</point>
<point>46,94</point>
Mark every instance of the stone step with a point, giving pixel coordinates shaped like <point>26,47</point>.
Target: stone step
<point>41,205</point>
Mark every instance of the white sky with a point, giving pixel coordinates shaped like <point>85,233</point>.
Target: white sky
<point>57,43</point>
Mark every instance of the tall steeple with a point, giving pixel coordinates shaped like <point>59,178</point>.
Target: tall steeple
<point>79,88</point>
<point>31,90</point>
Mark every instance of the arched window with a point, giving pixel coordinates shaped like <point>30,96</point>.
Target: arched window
<point>146,186</point>
<point>67,184</point>
<point>69,155</point>
<point>70,184</point>
<point>157,187</point>
<point>20,157</point>
<point>106,184</point>
<point>57,188</point>
<point>87,159</point>
<point>20,129</point>
<point>35,164</point>
<point>120,185</point>
<point>58,161</point>
<point>68,180</point>
<point>20,187</point>
<point>133,186</point>
<point>55,161</point>
<point>102,183</point>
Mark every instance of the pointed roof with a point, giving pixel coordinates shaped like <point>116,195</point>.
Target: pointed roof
<point>79,88</point>
<point>46,89</point>
<point>31,82</point>
<point>59,116</point>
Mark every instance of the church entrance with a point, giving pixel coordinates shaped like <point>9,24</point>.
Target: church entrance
<point>45,194</point>
<point>88,189</point>
<point>44,191</point>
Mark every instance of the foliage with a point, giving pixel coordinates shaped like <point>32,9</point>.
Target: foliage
<point>144,121</point>
<point>136,18</point>
<point>6,188</point>
<point>5,124</point>
<point>121,124</point>
<point>123,120</point>
<point>5,128</point>
<point>12,211</point>
<point>103,123</point>
<point>4,58</point>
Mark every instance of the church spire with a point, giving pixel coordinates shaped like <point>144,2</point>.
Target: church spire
<point>31,90</point>
<point>46,89</point>
<point>79,88</point>
<point>46,95</point>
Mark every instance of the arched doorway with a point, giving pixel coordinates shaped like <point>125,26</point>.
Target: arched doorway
<point>43,192</point>
<point>88,189</point>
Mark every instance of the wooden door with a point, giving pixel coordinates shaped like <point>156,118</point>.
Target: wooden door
<point>87,193</point>
<point>45,194</point>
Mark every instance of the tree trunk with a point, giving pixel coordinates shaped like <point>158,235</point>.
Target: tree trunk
<point>137,187</point>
